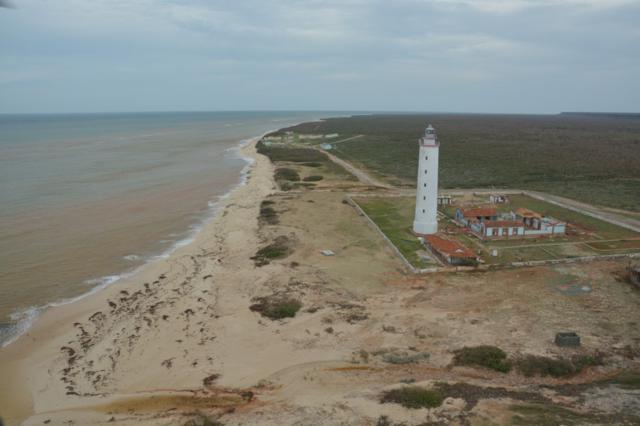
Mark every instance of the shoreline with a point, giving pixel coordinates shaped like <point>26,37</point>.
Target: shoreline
<point>39,344</point>
<point>25,318</point>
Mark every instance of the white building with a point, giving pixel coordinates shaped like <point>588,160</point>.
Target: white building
<point>426,217</point>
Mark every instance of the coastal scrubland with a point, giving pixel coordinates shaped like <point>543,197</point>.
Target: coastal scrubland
<point>592,158</point>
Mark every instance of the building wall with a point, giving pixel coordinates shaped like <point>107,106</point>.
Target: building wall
<point>511,231</point>
<point>547,229</point>
<point>426,215</point>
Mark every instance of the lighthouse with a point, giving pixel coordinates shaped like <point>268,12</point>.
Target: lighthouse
<point>426,217</point>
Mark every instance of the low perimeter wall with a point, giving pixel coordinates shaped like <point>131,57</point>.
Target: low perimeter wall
<point>445,268</point>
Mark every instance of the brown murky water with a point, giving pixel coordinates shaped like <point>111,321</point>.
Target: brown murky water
<point>86,198</point>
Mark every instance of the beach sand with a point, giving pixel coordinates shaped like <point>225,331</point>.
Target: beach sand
<point>178,339</point>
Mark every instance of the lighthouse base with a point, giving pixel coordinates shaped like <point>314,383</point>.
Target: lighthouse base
<point>425,228</point>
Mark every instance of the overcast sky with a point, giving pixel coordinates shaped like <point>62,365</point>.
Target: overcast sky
<point>422,55</point>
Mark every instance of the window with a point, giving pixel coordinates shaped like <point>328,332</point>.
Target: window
<point>425,185</point>
<point>425,171</point>
<point>423,211</point>
<point>424,198</point>
<point>426,157</point>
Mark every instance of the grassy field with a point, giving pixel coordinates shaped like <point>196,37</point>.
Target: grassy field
<point>590,158</point>
<point>394,216</point>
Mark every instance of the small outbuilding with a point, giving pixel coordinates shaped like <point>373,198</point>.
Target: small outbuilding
<point>445,200</point>
<point>451,252</point>
<point>567,339</point>
<point>479,214</point>
<point>497,198</point>
<point>537,224</point>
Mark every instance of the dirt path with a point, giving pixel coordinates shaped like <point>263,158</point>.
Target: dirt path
<point>589,210</point>
<point>347,139</point>
<point>362,176</point>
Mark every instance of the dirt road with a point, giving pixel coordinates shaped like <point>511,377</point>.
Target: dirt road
<point>589,210</point>
<point>363,176</point>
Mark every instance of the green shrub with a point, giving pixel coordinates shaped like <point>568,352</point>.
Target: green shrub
<point>287,186</point>
<point>284,309</point>
<point>279,249</point>
<point>276,307</point>
<point>272,251</point>
<point>284,173</point>
<point>627,380</point>
<point>413,397</point>
<point>314,178</point>
<point>583,361</point>
<point>313,164</point>
<point>535,365</point>
<point>268,214</point>
<point>483,356</point>
<point>549,415</point>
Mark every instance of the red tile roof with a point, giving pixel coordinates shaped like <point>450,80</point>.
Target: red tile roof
<point>480,212</point>
<point>449,247</point>
<point>502,223</point>
<point>527,213</point>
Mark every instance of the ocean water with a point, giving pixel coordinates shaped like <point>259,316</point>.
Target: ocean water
<point>88,198</point>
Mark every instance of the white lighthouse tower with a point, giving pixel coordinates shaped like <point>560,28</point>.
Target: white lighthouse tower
<point>426,218</point>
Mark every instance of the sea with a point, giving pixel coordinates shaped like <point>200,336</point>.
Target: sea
<point>86,199</point>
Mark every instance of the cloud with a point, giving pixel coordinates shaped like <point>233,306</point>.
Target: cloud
<point>511,6</point>
<point>21,76</point>
<point>342,76</point>
<point>201,51</point>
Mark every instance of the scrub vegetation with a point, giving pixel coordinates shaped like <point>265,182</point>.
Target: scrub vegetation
<point>287,174</point>
<point>268,214</point>
<point>535,365</point>
<point>279,249</point>
<point>496,359</point>
<point>483,356</point>
<point>592,158</point>
<point>300,156</point>
<point>276,307</point>
<point>413,397</point>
